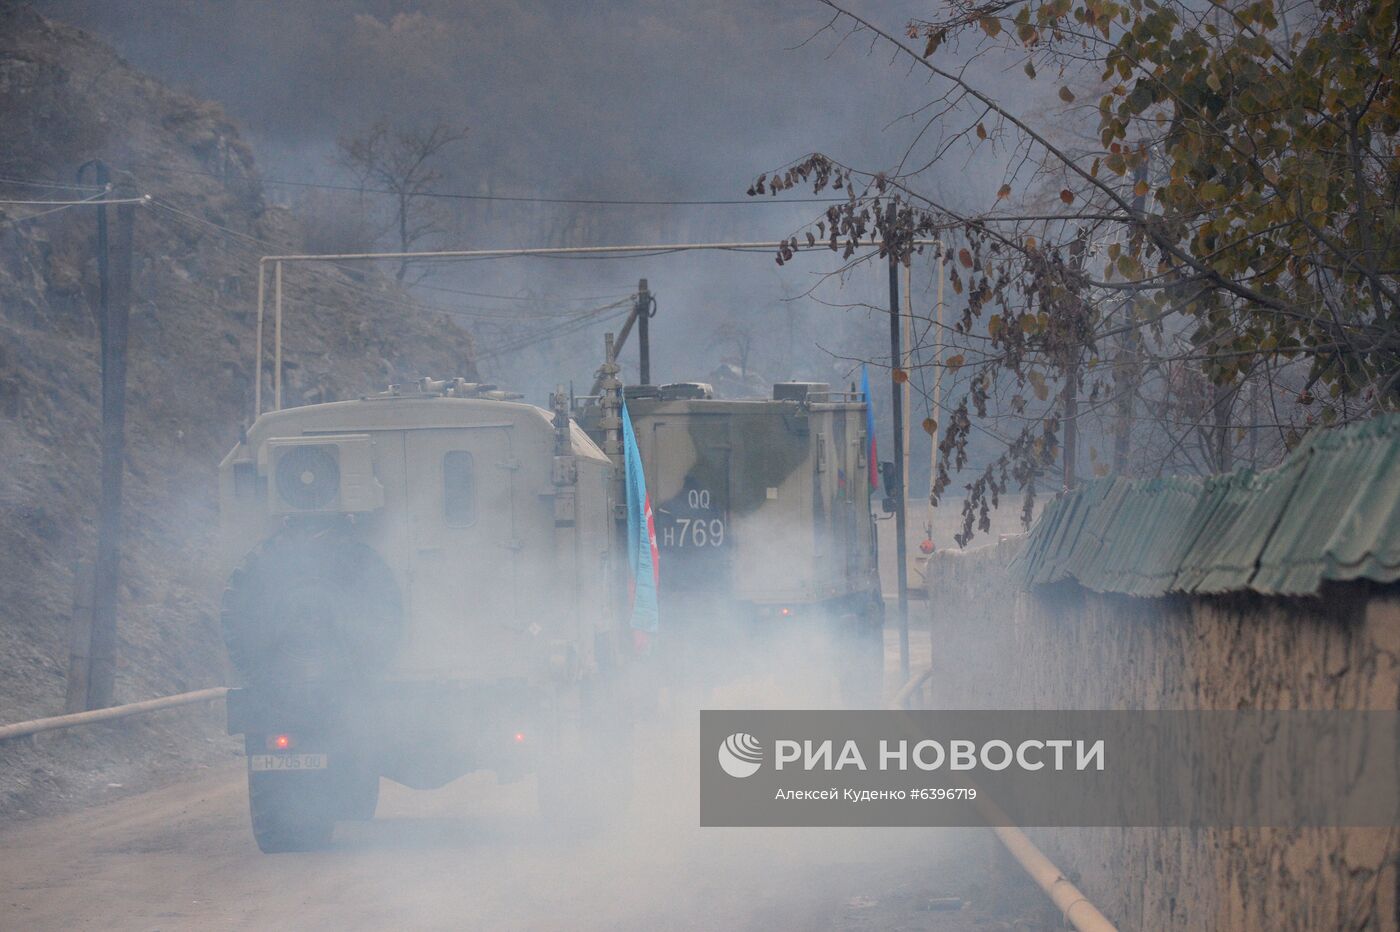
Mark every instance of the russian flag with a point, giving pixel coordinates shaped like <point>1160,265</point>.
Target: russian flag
<point>872,461</point>
<point>643,556</point>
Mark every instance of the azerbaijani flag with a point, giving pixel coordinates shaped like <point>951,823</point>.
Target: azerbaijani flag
<point>642,552</point>
<point>872,462</point>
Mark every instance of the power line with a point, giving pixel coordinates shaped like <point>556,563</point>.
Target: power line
<point>533,299</point>
<point>526,199</point>
<point>91,202</point>
<point>31,183</point>
<point>56,206</point>
<point>541,311</point>
<point>571,326</point>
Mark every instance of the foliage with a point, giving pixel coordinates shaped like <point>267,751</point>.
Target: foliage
<point>1236,212</point>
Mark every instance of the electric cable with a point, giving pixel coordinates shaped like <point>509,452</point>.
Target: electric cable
<point>528,199</point>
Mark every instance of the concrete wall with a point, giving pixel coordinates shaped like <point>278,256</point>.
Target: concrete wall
<point>1069,648</point>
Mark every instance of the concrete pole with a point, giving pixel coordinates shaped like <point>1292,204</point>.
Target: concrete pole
<point>1070,398</point>
<point>1125,370</point>
<point>907,336</point>
<point>901,544</point>
<point>277,337</point>
<point>258,345</point>
<point>937,396</point>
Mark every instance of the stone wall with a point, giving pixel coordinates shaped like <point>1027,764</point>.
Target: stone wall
<point>1069,648</point>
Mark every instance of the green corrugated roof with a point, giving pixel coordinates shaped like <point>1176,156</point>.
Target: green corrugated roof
<point>1331,510</point>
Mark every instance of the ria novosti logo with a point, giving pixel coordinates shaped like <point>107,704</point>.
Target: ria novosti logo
<point>740,755</point>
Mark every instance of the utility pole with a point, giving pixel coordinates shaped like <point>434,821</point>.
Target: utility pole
<point>1126,369</point>
<point>937,398</point>
<point>1070,397</point>
<point>1222,401</point>
<point>1070,400</point>
<point>896,405</point>
<point>114,300</point>
<point>906,335</point>
<point>643,335</point>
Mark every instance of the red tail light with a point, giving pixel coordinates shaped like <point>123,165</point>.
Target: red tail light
<point>280,742</point>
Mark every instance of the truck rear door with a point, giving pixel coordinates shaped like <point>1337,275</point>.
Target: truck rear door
<point>461,490</point>
<point>692,521</point>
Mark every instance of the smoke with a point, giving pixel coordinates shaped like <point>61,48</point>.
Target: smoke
<point>629,101</point>
<point>686,102</point>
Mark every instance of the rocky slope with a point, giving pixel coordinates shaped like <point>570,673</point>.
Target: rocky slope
<point>66,98</point>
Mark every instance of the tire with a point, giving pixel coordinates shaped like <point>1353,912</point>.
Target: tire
<point>286,812</point>
<point>311,605</point>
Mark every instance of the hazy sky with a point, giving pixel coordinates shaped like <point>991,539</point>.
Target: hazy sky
<point>676,100</point>
<point>683,99</point>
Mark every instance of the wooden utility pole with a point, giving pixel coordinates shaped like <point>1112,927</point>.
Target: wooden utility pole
<point>643,334</point>
<point>80,640</point>
<point>115,308</point>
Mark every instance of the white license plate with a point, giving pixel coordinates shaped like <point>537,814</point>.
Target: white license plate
<point>262,762</point>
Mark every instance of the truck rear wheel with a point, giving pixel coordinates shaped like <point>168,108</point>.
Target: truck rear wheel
<point>287,813</point>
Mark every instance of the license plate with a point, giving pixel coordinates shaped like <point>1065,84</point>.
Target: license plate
<point>261,762</point>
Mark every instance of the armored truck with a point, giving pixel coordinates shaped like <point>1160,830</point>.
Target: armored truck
<point>421,584</point>
<point>763,521</point>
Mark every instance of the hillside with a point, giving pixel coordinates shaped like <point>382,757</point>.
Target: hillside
<point>66,98</point>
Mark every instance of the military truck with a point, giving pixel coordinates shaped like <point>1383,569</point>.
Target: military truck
<point>765,530</point>
<point>421,585</point>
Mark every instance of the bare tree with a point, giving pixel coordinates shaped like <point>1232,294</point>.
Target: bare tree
<point>406,163</point>
<point>738,336</point>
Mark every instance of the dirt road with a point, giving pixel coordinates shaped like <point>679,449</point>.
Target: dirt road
<point>476,855</point>
<point>473,855</point>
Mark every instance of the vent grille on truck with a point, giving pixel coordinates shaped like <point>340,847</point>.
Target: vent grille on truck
<point>308,477</point>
